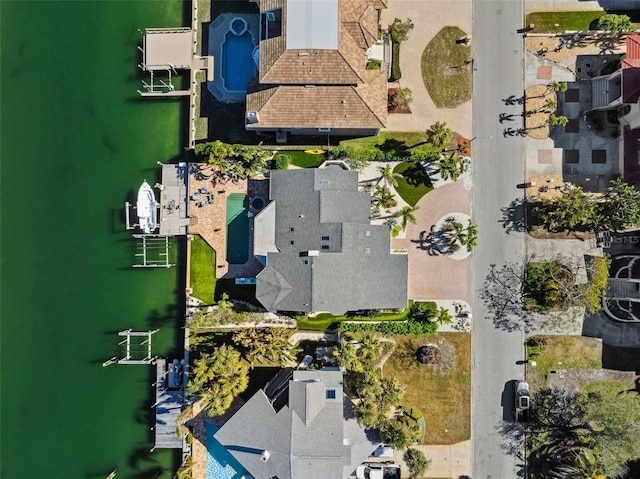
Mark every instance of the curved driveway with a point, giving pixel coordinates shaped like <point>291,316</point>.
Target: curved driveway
<point>435,276</point>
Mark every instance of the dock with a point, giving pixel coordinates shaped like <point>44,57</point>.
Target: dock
<point>168,408</point>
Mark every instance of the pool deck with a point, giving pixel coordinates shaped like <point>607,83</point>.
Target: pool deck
<point>210,221</point>
<point>218,30</point>
<point>198,425</point>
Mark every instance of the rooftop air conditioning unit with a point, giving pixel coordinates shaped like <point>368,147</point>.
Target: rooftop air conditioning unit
<point>252,117</point>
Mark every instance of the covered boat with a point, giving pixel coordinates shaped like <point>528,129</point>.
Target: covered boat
<point>147,208</point>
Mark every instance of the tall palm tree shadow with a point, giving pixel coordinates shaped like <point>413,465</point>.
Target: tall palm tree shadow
<point>391,145</point>
<point>417,175</point>
<point>429,242</point>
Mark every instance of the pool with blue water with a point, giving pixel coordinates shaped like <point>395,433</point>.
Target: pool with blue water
<point>220,463</point>
<point>238,67</point>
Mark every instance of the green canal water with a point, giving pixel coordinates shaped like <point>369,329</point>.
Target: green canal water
<point>76,142</point>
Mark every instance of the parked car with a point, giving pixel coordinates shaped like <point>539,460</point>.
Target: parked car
<point>378,471</point>
<point>383,451</point>
<point>521,401</point>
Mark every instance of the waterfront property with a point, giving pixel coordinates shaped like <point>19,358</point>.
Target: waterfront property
<point>169,50</point>
<point>220,462</point>
<point>237,228</point>
<point>226,222</point>
<point>301,424</point>
<point>320,249</point>
<point>312,70</point>
<point>233,38</point>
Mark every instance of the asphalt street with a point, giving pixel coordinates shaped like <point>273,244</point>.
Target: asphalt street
<point>498,168</point>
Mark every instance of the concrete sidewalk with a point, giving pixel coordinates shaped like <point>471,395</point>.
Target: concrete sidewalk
<point>428,18</point>
<point>446,461</point>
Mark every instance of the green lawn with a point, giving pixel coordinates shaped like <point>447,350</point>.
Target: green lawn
<point>324,320</point>
<point>444,71</point>
<point>414,182</point>
<point>444,400</point>
<point>547,21</point>
<point>304,160</point>
<point>563,352</point>
<point>203,270</point>
<point>404,143</point>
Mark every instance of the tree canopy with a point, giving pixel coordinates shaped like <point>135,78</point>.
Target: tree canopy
<point>593,433</point>
<point>618,209</point>
<point>218,377</point>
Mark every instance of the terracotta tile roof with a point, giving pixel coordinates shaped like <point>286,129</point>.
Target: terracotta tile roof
<point>633,47</point>
<point>295,106</point>
<point>363,27</point>
<point>345,66</point>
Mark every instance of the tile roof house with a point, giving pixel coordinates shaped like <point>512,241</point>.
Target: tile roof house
<point>299,426</point>
<point>320,249</point>
<point>312,69</point>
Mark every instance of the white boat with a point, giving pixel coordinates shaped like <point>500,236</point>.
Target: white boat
<point>147,208</point>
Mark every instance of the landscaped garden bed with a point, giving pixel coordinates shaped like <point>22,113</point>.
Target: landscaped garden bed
<point>447,67</point>
<point>413,182</point>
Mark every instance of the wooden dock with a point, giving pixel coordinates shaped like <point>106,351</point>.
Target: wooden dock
<point>168,408</point>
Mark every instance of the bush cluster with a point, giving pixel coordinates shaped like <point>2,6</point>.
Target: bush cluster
<point>409,328</point>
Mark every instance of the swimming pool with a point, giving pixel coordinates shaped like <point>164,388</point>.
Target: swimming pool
<point>238,67</point>
<point>220,463</point>
<point>237,229</point>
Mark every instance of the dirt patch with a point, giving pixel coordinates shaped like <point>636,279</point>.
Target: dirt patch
<point>571,380</point>
<point>536,118</point>
<point>391,108</point>
<point>541,233</point>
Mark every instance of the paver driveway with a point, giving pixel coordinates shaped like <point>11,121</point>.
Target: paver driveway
<point>436,276</point>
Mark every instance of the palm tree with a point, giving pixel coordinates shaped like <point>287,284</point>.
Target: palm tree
<point>438,134</point>
<point>557,120</point>
<point>219,377</point>
<point>558,86</point>
<point>406,216</point>
<point>383,197</point>
<point>549,105</point>
<point>452,166</point>
<point>368,413</point>
<point>388,176</point>
<point>416,463</point>
<point>370,350</point>
<point>457,235</point>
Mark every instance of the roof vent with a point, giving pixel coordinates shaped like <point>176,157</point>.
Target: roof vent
<point>303,54</point>
<point>252,117</point>
<point>265,456</point>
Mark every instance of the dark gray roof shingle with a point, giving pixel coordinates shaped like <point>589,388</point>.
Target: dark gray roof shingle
<point>330,258</point>
<point>314,437</point>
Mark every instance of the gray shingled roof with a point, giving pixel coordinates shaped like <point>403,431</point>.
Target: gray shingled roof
<point>313,437</point>
<point>330,258</point>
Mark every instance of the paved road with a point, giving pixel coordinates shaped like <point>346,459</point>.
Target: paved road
<point>498,168</point>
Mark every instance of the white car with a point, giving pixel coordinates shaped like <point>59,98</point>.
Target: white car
<point>378,471</point>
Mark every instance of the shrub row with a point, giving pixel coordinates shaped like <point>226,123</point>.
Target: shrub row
<point>396,74</point>
<point>409,328</point>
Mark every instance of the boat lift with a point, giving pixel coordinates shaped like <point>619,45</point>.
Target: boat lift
<point>153,251</point>
<point>129,353</point>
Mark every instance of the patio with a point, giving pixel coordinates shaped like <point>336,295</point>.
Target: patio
<point>208,213</point>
